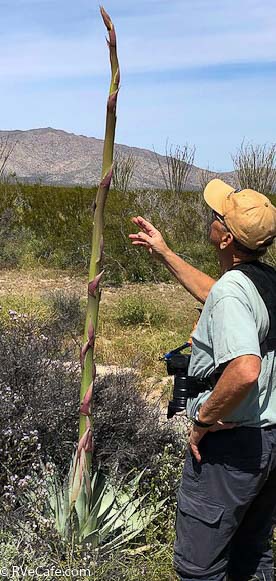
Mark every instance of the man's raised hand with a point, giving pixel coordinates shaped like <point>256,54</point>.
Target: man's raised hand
<point>149,237</point>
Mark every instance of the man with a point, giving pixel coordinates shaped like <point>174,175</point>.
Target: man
<point>227,496</point>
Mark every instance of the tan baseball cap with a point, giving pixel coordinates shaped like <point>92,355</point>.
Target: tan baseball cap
<point>249,215</point>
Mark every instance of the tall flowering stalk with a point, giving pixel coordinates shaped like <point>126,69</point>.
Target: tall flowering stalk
<point>89,509</point>
<point>85,447</point>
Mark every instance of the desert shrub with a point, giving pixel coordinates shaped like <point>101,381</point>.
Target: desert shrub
<point>12,239</point>
<point>39,395</point>
<point>154,564</point>
<point>39,399</point>
<point>123,170</point>
<point>129,431</point>
<point>137,310</point>
<point>56,212</point>
<point>32,543</point>
<point>29,540</point>
<point>26,553</point>
<point>204,257</point>
<point>122,261</point>
<point>177,167</point>
<point>15,307</point>
<point>66,311</point>
<point>255,166</point>
<point>13,235</point>
<point>39,391</point>
<point>52,226</point>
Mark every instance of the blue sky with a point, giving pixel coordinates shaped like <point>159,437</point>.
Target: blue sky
<point>196,71</point>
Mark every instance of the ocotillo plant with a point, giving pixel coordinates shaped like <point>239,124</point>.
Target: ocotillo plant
<point>85,447</point>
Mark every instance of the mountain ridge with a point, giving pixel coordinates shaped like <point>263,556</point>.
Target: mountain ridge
<point>55,156</point>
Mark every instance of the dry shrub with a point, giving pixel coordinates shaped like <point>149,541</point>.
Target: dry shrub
<point>39,396</point>
<point>255,166</point>
<point>130,432</point>
<point>137,310</point>
<point>39,399</point>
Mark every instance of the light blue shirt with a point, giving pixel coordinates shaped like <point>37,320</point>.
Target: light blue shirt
<point>234,322</point>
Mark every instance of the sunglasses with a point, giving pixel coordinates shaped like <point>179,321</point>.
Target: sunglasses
<point>216,216</point>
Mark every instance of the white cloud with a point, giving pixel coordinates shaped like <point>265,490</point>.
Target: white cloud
<point>180,35</point>
<point>53,60</point>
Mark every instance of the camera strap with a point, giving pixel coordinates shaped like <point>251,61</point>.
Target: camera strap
<point>263,277</point>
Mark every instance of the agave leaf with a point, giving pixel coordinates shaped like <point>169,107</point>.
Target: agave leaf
<point>74,526</point>
<point>91,523</point>
<point>144,516</point>
<point>66,517</point>
<point>92,539</point>
<point>97,485</point>
<point>94,482</point>
<point>105,512</point>
<point>102,512</point>
<point>133,484</point>
<point>115,510</point>
<point>137,523</point>
<point>102,530</point>
<point>55,500</point>
<point>105,517</point>
<point>107,500</point>
<point>110,525</point>
<point>118,542</point>
<point>123,517</point>
<point>75,483</point>
<point>51,490</point>
<point>125,494</point>
<point>71,473</point>
<point>82,504</point>
<point>66,505</point>
<point>59,507</point>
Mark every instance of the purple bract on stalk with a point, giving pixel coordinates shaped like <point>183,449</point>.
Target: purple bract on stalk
<point>93,284</point>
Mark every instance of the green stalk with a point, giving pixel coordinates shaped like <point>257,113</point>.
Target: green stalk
<point>95,272</point>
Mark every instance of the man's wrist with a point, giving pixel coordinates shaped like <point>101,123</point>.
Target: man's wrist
<point>200,423</point>
<point>166,255</point>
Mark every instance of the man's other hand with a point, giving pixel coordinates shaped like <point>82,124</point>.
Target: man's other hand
<point>196,436</point>
<point>198,433</point>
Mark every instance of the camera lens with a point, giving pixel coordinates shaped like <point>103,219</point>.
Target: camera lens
<point>180,396</point>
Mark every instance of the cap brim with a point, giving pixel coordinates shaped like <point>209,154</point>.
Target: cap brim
<point>215,195</point>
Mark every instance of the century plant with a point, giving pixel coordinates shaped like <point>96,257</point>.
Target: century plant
<point>109,519</point>
<point>89,509</point>
<point>79,483</point>
<point>85,446</point>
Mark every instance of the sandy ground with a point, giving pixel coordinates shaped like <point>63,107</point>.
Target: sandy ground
<point>40,282</point>
<point>36,282</point>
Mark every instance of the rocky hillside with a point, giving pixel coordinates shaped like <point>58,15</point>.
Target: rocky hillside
<point>53,156</point>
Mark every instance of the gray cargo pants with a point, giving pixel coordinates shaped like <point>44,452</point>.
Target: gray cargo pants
<point>227,506</point>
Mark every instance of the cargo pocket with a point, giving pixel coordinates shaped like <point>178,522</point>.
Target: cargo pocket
<point>199,538</point>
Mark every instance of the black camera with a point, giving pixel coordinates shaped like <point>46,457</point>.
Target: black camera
<point>184,386</point>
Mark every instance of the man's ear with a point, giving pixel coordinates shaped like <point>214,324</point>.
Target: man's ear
<point>226,240</point>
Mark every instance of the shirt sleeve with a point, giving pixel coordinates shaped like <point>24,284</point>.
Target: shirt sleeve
<point>233,330</point>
